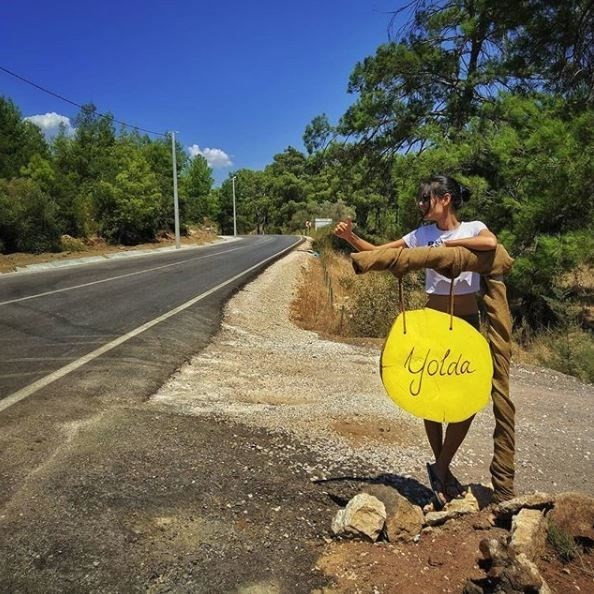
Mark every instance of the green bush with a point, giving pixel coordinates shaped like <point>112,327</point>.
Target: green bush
<point>27,218</point>
<point>129,210</point>
<point>535,282</point>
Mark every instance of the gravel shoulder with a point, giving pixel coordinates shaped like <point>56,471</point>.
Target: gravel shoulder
<point>263,371</point>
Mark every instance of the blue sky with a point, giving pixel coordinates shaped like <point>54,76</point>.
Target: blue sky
<point>242,78</point>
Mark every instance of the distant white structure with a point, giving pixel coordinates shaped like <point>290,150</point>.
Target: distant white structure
<point>319,223</point>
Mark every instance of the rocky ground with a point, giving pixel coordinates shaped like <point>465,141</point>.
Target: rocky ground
<point>229,477</point>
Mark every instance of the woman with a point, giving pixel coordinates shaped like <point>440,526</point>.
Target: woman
<point>439,199</point>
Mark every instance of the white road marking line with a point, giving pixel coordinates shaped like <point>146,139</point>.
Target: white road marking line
<point>62,344</point>
<point>23,359</point>
<point>60,373</point>
<point>7,375</point>
<point>64,340</point>
<point>106,280</point>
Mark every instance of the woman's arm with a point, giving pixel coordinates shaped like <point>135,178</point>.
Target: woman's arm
<point>483,242</point>
<point>344,230</point>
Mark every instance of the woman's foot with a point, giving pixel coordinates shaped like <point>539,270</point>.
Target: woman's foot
<point>437,486</point>
<point>453,487</point>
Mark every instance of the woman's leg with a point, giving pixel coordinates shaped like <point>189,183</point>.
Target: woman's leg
<point>434,433</point>
<point>444,450</point>
<point>455,434</point>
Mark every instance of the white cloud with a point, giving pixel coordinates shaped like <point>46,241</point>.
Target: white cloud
<point>216,158</point>
<point>50,123</point>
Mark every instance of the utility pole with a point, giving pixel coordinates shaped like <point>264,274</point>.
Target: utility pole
<point>175,200</point>
<point>234,213</point>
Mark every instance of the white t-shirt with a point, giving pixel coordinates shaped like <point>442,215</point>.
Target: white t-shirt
<point>431,235</point>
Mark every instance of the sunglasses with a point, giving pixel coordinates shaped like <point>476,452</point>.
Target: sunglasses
<point>424,198</point>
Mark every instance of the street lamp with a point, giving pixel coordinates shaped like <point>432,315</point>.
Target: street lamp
<point>234,213</point>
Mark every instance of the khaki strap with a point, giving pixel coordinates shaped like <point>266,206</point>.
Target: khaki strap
<point>452,304</point>
<point>401,299</point>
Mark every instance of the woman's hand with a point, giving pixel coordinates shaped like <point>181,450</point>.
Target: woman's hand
<point>344,229</point>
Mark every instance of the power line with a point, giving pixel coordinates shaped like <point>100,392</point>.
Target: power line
<point>77,104</point>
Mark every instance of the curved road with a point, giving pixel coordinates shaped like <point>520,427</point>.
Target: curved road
<point>132,320</point>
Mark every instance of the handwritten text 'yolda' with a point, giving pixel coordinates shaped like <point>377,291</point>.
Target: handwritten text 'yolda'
<point>435,366</point>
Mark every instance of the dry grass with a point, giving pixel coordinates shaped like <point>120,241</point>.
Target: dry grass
<point>580,280</point>
<point>320,304</point>
<point>569,350</point>
<point>333,301</point>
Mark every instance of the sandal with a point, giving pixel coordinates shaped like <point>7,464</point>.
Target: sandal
<point>453,487</point>
<point>437,488</point>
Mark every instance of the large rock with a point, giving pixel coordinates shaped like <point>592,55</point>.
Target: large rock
<point>439,517</point>
<point>523,576</point>
<point>464,505</point>
<point>403,519</point>
<point>574,514</point>
<point>506,571</point>
<point>364,515</point>
<point>495,551</point>
<point>533,501</point>
<point>453,509</point>
<point>528,533</point>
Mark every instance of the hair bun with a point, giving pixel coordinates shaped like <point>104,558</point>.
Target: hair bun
<point>465,194</point>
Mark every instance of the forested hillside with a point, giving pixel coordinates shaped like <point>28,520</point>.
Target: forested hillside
<point>95,182</point>
<point>497,93</point>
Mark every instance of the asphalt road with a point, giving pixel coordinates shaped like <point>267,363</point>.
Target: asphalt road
<point>101,492</point>
<point>53,323</point>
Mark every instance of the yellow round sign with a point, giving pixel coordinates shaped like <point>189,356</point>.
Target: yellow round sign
<point>433,372</point>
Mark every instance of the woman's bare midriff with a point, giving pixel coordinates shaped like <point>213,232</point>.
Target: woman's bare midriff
<point>464,305</point>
